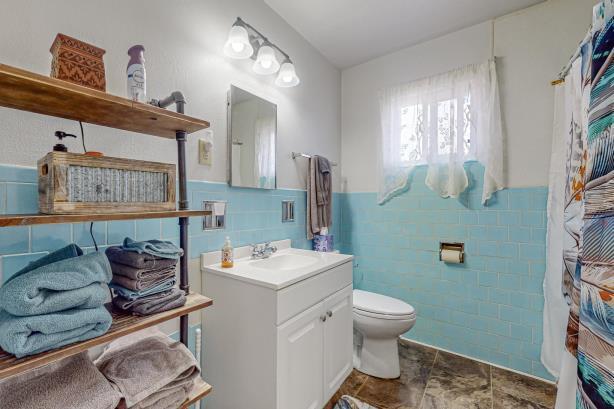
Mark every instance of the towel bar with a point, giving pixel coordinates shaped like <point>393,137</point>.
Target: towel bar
<point>304,155</point>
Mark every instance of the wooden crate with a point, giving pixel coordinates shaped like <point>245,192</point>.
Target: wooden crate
<point>70,183</point>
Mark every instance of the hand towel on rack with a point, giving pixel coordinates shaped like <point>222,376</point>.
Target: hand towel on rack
<point>72,383</point>
<point>22,336</point>
<point>158,248</point>
<point>143,283</point>
<point>152,304</point>
<point>134,295</point>
<point>76,282</point>
<point>141,261</point>
<point>139,370</point>
<point>319,196</point>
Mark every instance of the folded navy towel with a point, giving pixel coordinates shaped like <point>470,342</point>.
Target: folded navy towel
<point>22,336</point>
<point>77,282</point>
<point>134,295</point>
<point>158,248</point>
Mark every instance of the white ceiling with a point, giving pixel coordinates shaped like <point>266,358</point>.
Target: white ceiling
<point>349,32</point>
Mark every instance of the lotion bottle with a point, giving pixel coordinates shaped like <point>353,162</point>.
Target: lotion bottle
<point>227,254</point>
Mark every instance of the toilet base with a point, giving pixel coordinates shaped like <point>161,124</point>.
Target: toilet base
<point>378,357</point>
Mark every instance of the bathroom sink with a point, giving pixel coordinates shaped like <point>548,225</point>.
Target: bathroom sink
<point>285,262</point>
<point>284,268</point>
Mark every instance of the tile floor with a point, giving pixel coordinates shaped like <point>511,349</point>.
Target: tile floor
<point>432,379</point>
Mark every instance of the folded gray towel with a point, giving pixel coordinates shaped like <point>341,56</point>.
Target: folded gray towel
<point>77,282</point>
<point>143,283</point>
<point>158,248</point>
<point>173,394</point>
<point>138,260</point>
<point>152,304</point>
<point>140,273</point>
<point>72,383</point>
<point>23,336</point>
<point>141,369</point>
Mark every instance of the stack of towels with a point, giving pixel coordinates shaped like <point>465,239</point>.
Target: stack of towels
<point>55,301</point>
<point>150,370</point>
<point>144,276</point>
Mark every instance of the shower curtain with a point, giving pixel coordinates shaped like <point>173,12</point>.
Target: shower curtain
<point>588,223</point>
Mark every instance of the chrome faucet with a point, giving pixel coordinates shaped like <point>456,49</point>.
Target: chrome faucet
<point>262,251</point>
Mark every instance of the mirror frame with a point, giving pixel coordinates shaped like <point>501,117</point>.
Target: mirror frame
<point>229,138</point>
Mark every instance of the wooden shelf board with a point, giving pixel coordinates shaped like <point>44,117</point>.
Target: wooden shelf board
<point>123,324</point>
<point>7,220</point>
<point>26,91</point>
<point>199,391</point>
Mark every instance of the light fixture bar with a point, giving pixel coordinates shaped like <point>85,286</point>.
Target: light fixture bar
<point>242,22</point>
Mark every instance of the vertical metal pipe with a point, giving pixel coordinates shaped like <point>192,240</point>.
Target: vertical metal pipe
<point>184,282</point>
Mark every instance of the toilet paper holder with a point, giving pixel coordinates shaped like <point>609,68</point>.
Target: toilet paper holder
<point>460,247</point>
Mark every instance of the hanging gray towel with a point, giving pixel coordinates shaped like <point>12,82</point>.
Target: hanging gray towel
<point>319,196</point>
<point>77,282</point>
<point>72,383</point>
<point>22,336</point>
<point>143,261</point>
<point>140,369</point>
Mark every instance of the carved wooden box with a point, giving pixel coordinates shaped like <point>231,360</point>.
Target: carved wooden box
<point>78,62</point>
<point>70,183</point>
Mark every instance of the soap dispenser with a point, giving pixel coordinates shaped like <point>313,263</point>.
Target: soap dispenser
<point>60,147</point>
<point>227,254</point>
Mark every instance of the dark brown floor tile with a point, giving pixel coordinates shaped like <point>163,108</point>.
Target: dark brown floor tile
<point>521,391</point>
<point>406,391</point>
<point>458,383</point>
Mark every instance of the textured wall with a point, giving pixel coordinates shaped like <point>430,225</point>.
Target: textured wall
<point>488,308</point>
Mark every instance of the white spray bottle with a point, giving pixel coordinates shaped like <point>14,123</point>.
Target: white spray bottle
<point>136,74</point>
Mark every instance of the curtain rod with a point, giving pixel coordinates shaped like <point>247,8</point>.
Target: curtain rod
<point>304,155</point>
<point>574,57</point>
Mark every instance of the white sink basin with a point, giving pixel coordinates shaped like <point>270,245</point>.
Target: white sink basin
<point>285,267</point>
<point>285,262</point>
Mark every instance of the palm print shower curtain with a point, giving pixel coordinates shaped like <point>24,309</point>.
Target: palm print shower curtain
<point>588,276</point>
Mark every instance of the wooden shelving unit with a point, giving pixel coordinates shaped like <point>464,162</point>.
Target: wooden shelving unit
<point>8,220</point>
<point>123,324</point>
<point>200,390</point>
<point>27,91</point>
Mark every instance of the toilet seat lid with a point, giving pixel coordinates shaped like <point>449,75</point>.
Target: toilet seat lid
<point>381,304</point>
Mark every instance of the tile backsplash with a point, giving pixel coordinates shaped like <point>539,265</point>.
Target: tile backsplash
<point>491,306</point>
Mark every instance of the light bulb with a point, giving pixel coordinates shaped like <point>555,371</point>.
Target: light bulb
<point>287,75</point>
<point>238,46</point>
<point>266,62</point>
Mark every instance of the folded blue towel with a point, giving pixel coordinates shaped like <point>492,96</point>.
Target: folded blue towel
<point>77,282</point>
<point>135,295</point>
<point>22,336</point>
<point>158,248</point>
<point>70,251</point>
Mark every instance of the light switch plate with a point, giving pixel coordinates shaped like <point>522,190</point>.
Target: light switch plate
<point>205,152</point>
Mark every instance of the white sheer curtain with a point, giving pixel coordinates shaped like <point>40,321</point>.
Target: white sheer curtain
<point>442,121</point>
<point>265,152</point>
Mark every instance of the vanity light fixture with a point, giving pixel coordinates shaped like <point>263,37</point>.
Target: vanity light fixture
<point>244,41</point>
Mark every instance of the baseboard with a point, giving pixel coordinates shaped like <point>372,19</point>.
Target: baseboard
<point>479,360</point>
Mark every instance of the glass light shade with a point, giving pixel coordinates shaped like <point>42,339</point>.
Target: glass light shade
<point>266,62</point>
<point>238,45</point>
<point>287,76</point>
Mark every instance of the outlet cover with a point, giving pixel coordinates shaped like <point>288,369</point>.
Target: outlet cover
<point>205,152</point>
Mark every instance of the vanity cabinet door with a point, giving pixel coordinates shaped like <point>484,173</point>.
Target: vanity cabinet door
<point>299,361</point>
<point>338,340</point>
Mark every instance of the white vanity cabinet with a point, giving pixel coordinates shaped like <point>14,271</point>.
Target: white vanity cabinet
<point>276,346</point>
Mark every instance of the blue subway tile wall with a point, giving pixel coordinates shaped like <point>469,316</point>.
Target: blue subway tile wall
<point>253,216</point>
<point>488,308</point>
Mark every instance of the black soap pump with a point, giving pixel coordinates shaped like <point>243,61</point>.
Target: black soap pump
<point>60,147</point>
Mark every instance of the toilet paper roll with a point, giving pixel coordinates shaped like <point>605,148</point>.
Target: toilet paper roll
<point>451,256</point>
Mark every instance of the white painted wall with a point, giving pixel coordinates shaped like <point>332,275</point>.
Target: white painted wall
<point>532,46</point>
<point>183,41</point>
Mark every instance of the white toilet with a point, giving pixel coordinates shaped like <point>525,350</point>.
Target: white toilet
<point>379,320</point>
